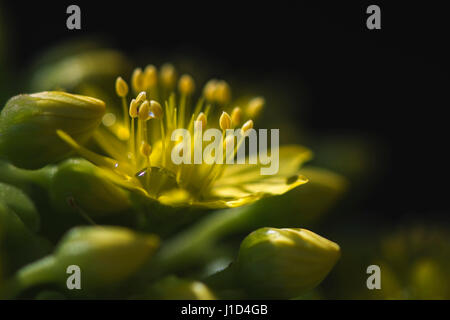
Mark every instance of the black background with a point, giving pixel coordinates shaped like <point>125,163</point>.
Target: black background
<point>390,83</point>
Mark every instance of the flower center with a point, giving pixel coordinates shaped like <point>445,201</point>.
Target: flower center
<point>148,128</point>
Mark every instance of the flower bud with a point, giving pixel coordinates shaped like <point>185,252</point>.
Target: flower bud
<point>80,185</point>
<point>173,288</point>
<point>105,256</point>
<point>28,125</point>
<point>284,263</point>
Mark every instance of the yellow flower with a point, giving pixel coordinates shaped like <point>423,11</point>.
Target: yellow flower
<point>139,146</point>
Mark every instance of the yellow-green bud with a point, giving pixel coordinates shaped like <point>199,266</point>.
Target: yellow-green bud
<point>28,125</point>
<point>173,288</point>
<point>106,256</point>
<point>284,263</point>
<point>78,185</point>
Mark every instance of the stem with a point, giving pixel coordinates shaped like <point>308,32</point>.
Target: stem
<point>188,247</point>
<point>22,177</point>
<point>39,272</point>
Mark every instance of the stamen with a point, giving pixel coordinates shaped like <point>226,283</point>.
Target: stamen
<point>225,121</point>
<point>146,151</point>
<point>236,116</point>
<point>131,142</point>
<point>247,126</point>
<point>144,116</point>
<point>144,111</point>
<point>168,76</point>
<point>150,76</point>
<point>141,97</point>
<point>156,110</point>
<point>121,87</point>
<point>210,89</point>
<point>202,118</point>
<point>137,80</point>
<point>122,91</point>
<point>255,106</point>
<point>186,85</point>
<point>222,94</point>
<point>134,108</point>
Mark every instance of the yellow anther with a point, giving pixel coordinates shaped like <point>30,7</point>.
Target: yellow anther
<point>210,89</point>
<point>137,80</point>
<point>168,75</point>
<point>145,149</point>
<point>255,106</point>
<point>144,111</point>
<point>121,87</point>
<point>201,117</point>
<point>141,97</point>
<point>225,121</point>
<point>247,126</point>
<point>186,84</point>
<point>222,93</point>
<point>156,110</point>
<point>134,108</point>
<point>150,76</point>
<point>236,116</point>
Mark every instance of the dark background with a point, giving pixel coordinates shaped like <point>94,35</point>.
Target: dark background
<point>390,83</point>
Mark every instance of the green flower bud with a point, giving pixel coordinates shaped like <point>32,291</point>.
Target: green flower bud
<point>105,255</point>
<point>173,288</point>
<point>28,125</point>
<point>284,263</point>
<point>18,202</point>
<point>80,185</point>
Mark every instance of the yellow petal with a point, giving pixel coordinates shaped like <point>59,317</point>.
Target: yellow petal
<point>246,180</point>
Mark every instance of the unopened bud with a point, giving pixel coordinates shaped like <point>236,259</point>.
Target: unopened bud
<point>28,125</point>
<point>284,263</point>
<point>105,255</point>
